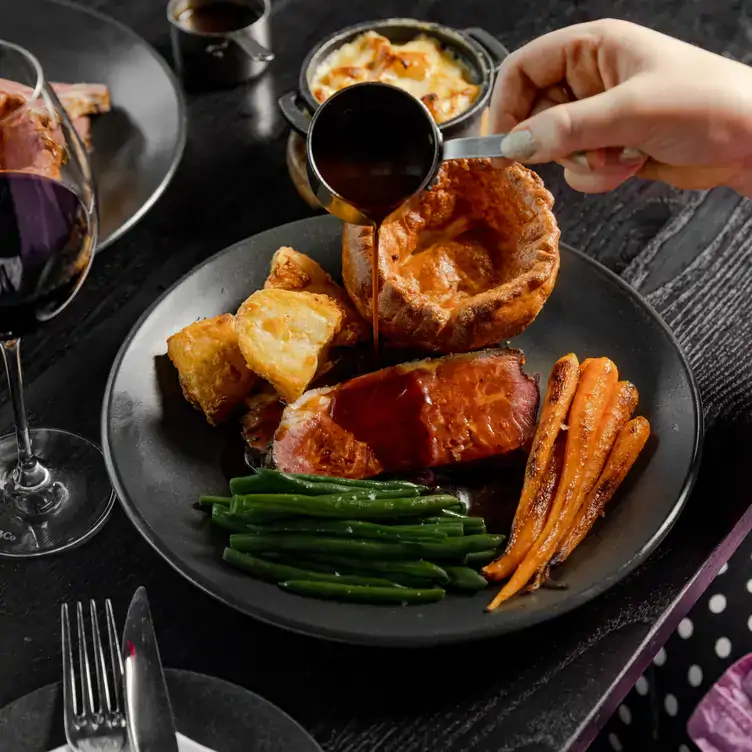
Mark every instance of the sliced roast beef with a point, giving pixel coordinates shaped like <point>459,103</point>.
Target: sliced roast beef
<point>428,413</point>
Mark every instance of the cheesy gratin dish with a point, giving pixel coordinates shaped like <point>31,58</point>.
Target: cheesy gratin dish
<point>420,67</point>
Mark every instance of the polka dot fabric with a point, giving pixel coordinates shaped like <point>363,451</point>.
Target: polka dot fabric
<point>715,634</point>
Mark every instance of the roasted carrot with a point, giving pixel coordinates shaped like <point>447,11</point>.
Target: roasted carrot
<point>629,444</point>
<point>617,413</point>
<point>531,515</point>
<point>536,519</point>
<point>597,383</point>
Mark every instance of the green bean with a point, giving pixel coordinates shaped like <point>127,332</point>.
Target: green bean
<point>343,506</point>
<point>453,548</point>
<point>355,529</point>
<point>464,578</point>
<point>418,569</point>
<point>363,482</point>
<point>481,558</point>
<point>272,481</point>
<point>360,594</point>
<point>307,544</point>
<point>277,572</point>
<point>221,517</point>
<point>206,503</point>
<point>470,525</point>
<point>254,515</point>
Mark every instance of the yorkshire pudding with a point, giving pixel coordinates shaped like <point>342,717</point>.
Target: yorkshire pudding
<point>468,263</point>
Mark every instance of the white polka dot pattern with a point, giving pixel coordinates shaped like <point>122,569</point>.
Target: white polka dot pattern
<point>694,676</point>
<point>749,585</point>
<point>686,628</point>
<point>642,686</point>
<point>625,714</point>
<point>717,603</point>
<point>723,570</point>
<point>660,657</point>
<point>671,704</point>
<point>723,647</point>
<point>615,743</point>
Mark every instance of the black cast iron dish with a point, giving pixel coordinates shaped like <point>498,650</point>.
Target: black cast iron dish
<point>478,49</point>
<point>161,454</point>
<point>138,145</point>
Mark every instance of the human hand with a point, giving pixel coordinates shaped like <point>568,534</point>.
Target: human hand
<point>610,99</point>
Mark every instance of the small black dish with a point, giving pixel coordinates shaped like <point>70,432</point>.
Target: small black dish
<point>478,49</point>
<point>210,711</point>
<point>161,454</point>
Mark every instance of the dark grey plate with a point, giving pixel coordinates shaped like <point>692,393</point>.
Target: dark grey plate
<point>161,454</point>
<point>212,712</point>
<point>137,146</point>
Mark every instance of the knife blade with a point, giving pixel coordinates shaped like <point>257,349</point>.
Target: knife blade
<point>151,725</point>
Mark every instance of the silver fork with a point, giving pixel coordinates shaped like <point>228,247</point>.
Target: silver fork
<point>90,726</point>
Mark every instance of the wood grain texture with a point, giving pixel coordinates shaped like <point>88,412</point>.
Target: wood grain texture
<point>545,690</point>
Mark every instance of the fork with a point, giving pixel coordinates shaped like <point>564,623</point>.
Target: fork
<point>90,726</point>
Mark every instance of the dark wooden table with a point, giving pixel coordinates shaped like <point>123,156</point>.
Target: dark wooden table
<point>547,689</point>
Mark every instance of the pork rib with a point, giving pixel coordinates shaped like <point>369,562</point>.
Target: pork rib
<point>423,414</point>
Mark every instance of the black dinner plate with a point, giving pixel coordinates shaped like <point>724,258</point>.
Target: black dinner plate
<point>161,454</point>
<point>138,145</point>
<point>210,711</point>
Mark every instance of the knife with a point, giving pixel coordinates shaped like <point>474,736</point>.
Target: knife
<point>151,726</point>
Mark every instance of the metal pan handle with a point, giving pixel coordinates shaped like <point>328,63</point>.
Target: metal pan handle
<point>297,118</point>
<point>489,43</point>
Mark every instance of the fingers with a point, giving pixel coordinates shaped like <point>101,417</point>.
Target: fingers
<point>605,120</point>
<point>565,55</point>
<point>602,170</point>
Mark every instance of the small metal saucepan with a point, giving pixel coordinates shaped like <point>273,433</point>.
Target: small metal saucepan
<point>360,169</point>
<point>212,55</point>
<point>480,51</point>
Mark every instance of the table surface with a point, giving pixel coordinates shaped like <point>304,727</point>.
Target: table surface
<point>549,688</point>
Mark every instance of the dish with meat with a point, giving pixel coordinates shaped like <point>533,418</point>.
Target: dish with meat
<point>162,453</point>
<point>469,406</point>
<point>134,133</point>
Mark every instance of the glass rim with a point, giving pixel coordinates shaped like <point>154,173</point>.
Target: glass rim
<point>35,64</point>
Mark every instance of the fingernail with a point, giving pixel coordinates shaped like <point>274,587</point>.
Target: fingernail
<point>580,158</point>
<point>630,156</point>
<point>518,145</point>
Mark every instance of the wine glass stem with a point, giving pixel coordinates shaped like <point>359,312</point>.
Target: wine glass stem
<point>30,472</point>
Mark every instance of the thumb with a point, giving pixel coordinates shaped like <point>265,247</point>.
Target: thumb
<point>596,122</point>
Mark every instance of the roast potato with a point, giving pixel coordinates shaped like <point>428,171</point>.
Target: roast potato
<point>466,264</point>
<point>213,373</point>
<point>291,270</point>
<point>285,336</point>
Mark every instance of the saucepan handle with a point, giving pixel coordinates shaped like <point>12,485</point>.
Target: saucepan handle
<point>292,112</point>
<point>496,50</point>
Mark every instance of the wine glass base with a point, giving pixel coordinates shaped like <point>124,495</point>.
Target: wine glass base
<point>69,506</point>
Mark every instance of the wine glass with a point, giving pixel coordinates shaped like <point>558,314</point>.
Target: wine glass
<point>54,489</point>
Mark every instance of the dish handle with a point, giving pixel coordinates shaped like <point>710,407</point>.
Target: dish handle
<point>490,44</point>
<point>296,116</point>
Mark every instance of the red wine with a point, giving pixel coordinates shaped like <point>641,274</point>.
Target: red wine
<point>45,250</point>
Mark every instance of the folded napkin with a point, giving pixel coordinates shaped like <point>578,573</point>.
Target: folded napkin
<point>722,722</point>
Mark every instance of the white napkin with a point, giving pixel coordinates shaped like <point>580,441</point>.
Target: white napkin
<point>184,745</point>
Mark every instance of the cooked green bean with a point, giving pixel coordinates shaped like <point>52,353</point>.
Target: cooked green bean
<point>464,578</point>
<point>470,525</point>
<point>221,517</point>
<point>341,506</point>
<point>363,482</point>
<point>206,503</point>
<point>453,548</point>
<point>312,544</point>
<point>277,572</point>
<point>255,515</point>
<point>356,529</point>
<point>419,569</point>
<point>478,559</point>
<point>359,594</point>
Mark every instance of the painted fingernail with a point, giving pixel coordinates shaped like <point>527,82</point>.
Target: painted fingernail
<point>518,145</point>
<point>579,158</point>
<point>630,156</point>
